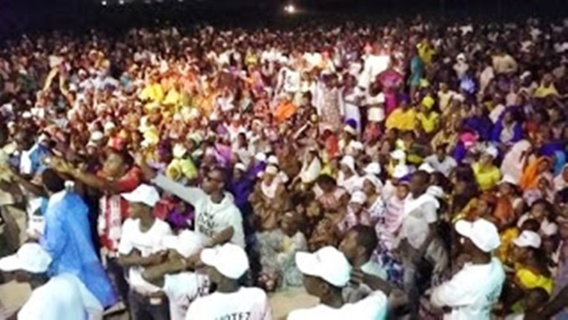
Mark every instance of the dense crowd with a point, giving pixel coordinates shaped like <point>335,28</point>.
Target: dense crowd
<point>408,170</point>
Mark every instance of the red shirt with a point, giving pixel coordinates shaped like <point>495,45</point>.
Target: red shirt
<point>114,210</point>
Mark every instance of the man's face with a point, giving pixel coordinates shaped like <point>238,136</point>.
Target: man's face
<point>349,245</point>
<point>416,184</point>
<point>313,285</point>
<point>212,182</point>
<point>135,210</point>
<point>23,141</point>
<point>113,165</point>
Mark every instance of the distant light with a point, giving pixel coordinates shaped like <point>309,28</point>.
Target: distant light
<point>104,3</point>
<point>290,8</point>
<point>121,2</point>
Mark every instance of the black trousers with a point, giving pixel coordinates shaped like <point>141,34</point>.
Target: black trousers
<point>145,308</point>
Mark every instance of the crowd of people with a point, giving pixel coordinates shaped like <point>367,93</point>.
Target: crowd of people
<point>406,170</point>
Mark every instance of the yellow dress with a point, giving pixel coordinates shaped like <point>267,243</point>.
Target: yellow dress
<point>402,120</point>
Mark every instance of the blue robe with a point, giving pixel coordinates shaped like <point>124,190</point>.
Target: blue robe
<point>67,239</point>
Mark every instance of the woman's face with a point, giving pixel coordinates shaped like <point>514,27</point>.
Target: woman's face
<point>368,187</point>
<point>483,208</point>
<point>505,189</point>
<point>538,211</point>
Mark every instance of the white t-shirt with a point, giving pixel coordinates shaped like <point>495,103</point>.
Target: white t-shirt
<point>63,297</point>
<point>445,167</point>
<point>147,243</point>
<point>182,290</point>
<point>419,213</point>
<point>374,307</point>
<point>246,304</point>
<point>472,292</point>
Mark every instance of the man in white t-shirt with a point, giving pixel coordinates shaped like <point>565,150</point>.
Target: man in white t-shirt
<point>326,273</point>
<point>419,240</point>
<point>63,297</point>
<point>225,266</point>
<point>217,218</point>
<point>141,245</point>
<point>475,289</point>
<point>441,162</point>
<point>181,286</point>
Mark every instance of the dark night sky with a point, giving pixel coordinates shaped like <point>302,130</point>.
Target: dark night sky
<point>18,16</point>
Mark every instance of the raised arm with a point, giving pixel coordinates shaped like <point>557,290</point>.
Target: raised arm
<point>190,195</point>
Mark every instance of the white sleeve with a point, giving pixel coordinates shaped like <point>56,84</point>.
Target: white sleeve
<point>234,219</point>
<point>452,293</point>
<point>125,245</point>
<point>266,310</point>
<point>430,212</point>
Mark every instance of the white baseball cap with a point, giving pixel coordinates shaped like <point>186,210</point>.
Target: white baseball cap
<point>349,162</point>
<point>186,243</point>
<point>528,238</point>
<point>30,257</point>
<point>327,263</point>
<point>229,259</point>
<point>373,168</point>
<point>398,154</point>
<point>492,151</point>
<point>145,194</point>
<point>400,171</point>
<point>358,197</point>
<point>481,232</point>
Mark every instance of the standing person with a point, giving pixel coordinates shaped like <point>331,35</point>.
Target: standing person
<point>419,240</point>
<point>217,218</point>
<point>329,104</point>
<point>61,297</point>
<point>67,239</point>
<point>141,245</point>
<point>352,97</point>
<point>475,289</point>
<point>227,264</point>
<point>326,274</point>
<point>117,176</point>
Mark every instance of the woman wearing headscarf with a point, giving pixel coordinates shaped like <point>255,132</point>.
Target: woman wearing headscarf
<point>269,199</point>
<point>513,162</point>
<point>507,130</point>
<point>311,169</point>
<point>348,177</point>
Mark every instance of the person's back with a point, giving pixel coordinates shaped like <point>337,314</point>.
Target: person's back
<point>374,307</point>
<point>68,240</point>
<point>472,291</point>
<point>247,303</point>
<point>59,299</point>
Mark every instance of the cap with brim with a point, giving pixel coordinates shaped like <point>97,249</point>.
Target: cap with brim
<point>398,154</point>
<point>145,194</point>
<point>508,179</point>
<point>186,243</point>
<point>482,233</point>
<point>400,171</point>
<point>31,257</point>
<point>358,197</point>
<point>349,162</point>
<point>426,167</point>
<point>327,263</point>
<point>528,239</point>
<point>373,168</point>
<point>229,260</point>
<point>241,167</point>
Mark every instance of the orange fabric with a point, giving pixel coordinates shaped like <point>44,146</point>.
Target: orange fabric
<point>530,175</point>
<point>285,111</point>
<point>504,211</point>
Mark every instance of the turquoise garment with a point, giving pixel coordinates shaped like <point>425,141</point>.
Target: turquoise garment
<point>67,238</point>
<point>416,71</point>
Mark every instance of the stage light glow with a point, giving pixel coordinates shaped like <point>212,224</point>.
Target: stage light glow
<point>290,9</point>
<point>121,2</point>
<point>104,3</point>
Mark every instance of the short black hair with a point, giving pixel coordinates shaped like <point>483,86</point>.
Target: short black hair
<point>52,181</point>
<point>366,238</point>
<point>423,175</point>
<point>326,179</point>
